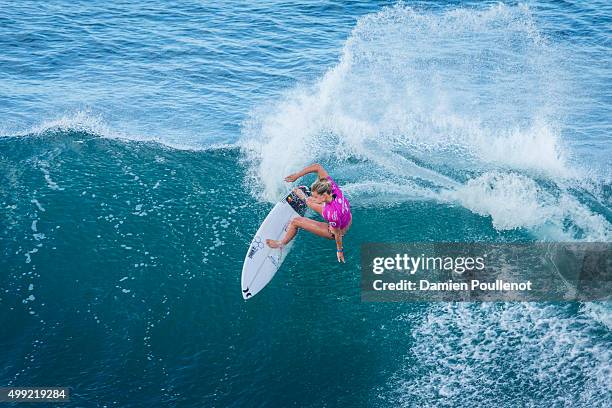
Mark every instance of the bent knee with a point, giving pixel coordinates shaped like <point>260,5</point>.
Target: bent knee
<point>298,222</point>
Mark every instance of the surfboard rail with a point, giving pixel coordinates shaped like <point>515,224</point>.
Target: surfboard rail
<point>262,262</point>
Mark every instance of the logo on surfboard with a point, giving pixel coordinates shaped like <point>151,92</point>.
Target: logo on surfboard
<point>275,260</point>
<point>256,245</point>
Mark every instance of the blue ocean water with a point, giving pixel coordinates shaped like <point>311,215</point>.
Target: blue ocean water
<point>142,144</point>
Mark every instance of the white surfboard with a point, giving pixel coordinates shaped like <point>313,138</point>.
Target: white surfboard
<point>261,261</point>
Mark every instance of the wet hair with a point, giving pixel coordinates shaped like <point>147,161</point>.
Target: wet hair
<point>321,186</point>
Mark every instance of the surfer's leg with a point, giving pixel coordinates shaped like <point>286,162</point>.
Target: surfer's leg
<point>291,231</point>
<point>316,227</point>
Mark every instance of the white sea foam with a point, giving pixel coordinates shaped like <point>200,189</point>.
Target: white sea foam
<point>466,87</point>
<point>472,354</point>
<point>455,106</point>
<point>600,312</point>
<point>38,205</point>
<point>83,121</point>
<point>90,122</point>
<point>376,193</point>
<point>517,201</point>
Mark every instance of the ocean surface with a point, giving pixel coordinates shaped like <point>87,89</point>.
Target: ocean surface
<point>142,143</point>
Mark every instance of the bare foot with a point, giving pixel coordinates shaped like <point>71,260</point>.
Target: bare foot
<point>274,244</point>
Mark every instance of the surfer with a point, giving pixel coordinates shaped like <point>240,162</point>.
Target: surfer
<point>326,199</point>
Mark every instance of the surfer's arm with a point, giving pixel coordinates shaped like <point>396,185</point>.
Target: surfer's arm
<point>313,168</point>
<point>314,205</point>
<point>339,248</point>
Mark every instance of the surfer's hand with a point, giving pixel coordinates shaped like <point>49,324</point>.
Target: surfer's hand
<point>340,256</point>
<point>291,178</point>
<point>300,193</point>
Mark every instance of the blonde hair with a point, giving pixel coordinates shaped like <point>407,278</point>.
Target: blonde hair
<point>321,186</point>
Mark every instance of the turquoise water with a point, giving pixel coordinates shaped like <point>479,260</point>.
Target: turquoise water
<point>142,145</point>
